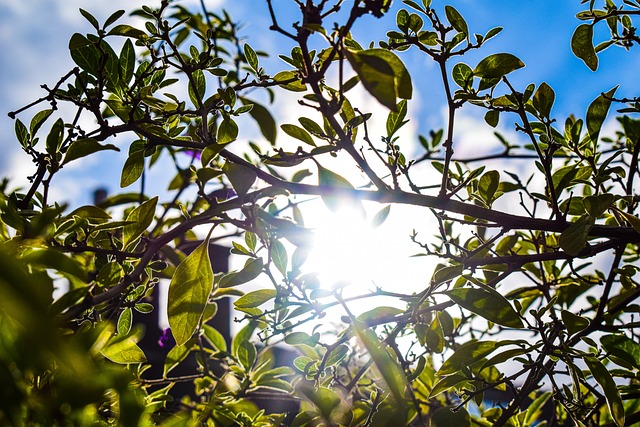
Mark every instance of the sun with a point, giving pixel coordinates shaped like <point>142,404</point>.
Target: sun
<point>347,249</point>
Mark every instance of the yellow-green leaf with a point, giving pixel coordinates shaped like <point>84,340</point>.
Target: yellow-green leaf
<point>189,291</point>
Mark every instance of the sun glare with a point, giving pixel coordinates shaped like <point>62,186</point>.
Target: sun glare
<point>347,250</point>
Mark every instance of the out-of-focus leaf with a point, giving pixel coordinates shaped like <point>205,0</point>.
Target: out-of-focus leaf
<point>380,216</point>
<point>445,417</point>
<point>387,366</point>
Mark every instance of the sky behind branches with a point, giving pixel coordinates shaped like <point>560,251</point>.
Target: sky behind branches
<point>34,36</point>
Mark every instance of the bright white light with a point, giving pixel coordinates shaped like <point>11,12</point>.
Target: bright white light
<point>347,250</point>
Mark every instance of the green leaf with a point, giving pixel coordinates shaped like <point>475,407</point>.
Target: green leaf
<point>176,355</point>
<point>466,355</point>
<point>488,185</point>
<point>597,113</point>
<point>447,383</point>
<point>445,417</point>
<point>492,117</point>
<point>89,17</point>
<point>123,350</point>
<point>383,75</point>
<point>255,298</point>
<point>263,118</point>
<point>490,305</point>
<point>84,147</point>
<point>582,46</point>
<point>127,31</point>
<point>623,348</point>
<point>38,120</point>
<point>298,133</point>
<point>337,355</point>
<point>633,220</point>
<point>294,86</point>
<point>125,321</point>
<point>573,322</point>
<point>379,313</point>
<point>497,65</point>
<point>443,274</point>
<point>573,239</point>
<point>54,139</point>
<point>113,18</point>
<point>246,354</point>
<point>279,256</point>
<point>434,335</point>
<point>189,291</point>
<point>252,58</point>
<point>127,61</point>
<point>243,335</point>
<point>251,270</point>
<point>215,338</point>
<point>462,74</point>
<point>132,169</point>
<point>597,205</point>
<point>297,338</point>
<point>227,131</point>
<point>197,87</point>
<point>331,179</point>
<point>55,260</point>
<point>456,20</point>
<point>380,217</point>
<point>241,177</point>
<point>387,365</point>
<point>21,133</point>
<point>543,99</point>
<point>611,394</point>
<point>140,218</point>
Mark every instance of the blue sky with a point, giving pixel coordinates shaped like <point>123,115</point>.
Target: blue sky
<point>34,36</point>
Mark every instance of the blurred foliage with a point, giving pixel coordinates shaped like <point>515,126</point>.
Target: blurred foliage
<point>535,294</point>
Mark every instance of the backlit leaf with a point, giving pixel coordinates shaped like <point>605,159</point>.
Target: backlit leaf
<point>132,169</point>
<point>140,218</point>
<point>383,75</point>
<point>279,256</point>
<point>255,298</point>
<point>582,45</point>
<point>466,355</point>
<point>84,147</point>
<point>241,177</point>
<point>622,347</point>
<point>611,394</point>
<point>490,305</point>
<point>497,65</point>
<point>597,113</point>
<point>189,291</point>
